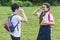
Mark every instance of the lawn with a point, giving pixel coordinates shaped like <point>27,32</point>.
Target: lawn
<point>30,28</point>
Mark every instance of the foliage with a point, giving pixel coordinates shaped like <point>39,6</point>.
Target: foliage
<point>24,3</point>
<point>29,2</point>
<point>20,3</point>
<point>30,29</point>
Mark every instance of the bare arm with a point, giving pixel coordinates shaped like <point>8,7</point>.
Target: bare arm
<point>52,23</point>
<point>34,13</point>
<point>24,18</point>
<point>45,21</point>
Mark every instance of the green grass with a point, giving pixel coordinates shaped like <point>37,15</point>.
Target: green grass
<point>30,28</point>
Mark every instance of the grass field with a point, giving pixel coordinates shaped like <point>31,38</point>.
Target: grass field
<point>30,28</point>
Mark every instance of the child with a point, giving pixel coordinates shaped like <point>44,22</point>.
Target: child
<point>44,21</point>
<point>17,19</point>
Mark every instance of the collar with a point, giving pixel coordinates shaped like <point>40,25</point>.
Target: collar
<point>14,13</point>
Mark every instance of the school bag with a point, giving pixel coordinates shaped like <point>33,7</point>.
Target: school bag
<point>9,25</point>
<point>49,19</point>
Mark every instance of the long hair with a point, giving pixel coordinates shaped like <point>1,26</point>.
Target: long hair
<point>43,14</point>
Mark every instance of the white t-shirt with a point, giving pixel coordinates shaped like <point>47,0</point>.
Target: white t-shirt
<point>51,16</point>
<point>14,21</point>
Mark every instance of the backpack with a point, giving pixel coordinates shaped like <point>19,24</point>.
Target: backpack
<point>49,19</point>
<point>9,26</point>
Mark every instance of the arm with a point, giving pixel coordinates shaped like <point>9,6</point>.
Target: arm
<point>52,23</point>
<point>24,18</point>
<point>35,12</point>
<point>45,21</point>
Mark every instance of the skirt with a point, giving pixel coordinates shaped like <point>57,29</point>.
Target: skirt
<point>44,32</point>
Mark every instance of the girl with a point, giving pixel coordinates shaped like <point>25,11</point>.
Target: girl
<point>46,20</point>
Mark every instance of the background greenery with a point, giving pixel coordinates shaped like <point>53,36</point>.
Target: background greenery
<point>29,2</point>
<point>30,28</point>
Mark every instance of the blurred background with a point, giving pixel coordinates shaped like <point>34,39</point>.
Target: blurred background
<point>29,2</point>
<point>29,29</point>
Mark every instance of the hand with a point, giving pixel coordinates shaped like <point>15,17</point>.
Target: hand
<point>45,20</point>
<point>39,7</point>
<point>21,10</point>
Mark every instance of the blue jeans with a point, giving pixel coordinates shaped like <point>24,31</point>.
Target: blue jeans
<point>15,38</point>
<point>44,32</point>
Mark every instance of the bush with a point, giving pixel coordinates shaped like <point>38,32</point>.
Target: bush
<point>52,4</point>
<point>20,3</point>
<point>55,3</point>
<point>38,4</point>
<point>0,3</point>
<point>24,3</point>
<point>27,3</point>
<point>7,4</point>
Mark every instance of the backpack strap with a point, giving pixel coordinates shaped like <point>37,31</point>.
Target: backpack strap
<point>49,19</point>
<point>12,23</point>
<point>49,16</point>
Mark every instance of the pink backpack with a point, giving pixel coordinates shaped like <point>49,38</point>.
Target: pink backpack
<point>7,24</point>
<point>49,19</point>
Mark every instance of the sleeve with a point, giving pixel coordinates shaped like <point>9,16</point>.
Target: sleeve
<point>38,14</point>
<point>51,17</point>
<point>19,18</point>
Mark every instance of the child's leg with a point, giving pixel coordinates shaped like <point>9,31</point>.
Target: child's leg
<point>15,38</point>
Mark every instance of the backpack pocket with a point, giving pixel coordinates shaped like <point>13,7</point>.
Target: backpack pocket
<point>12,28</point>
